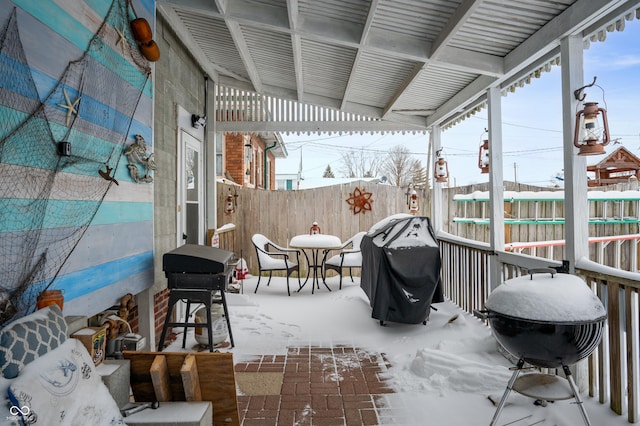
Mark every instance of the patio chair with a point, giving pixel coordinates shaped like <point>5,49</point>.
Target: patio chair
<point>347,258</point>
<point>272,257</point>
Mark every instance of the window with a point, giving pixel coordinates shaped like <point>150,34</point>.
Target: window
<point>219,154</point>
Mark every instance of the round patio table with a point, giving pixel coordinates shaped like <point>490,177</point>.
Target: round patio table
<point>314,243</point>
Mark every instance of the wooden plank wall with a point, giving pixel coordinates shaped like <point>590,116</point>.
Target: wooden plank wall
<point>280,215</point>
<point>115,255</point>
<point>525,233</point>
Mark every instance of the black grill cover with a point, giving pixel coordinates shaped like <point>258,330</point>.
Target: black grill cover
<point>401,270</point>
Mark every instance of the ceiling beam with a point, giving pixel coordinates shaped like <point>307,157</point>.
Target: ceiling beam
<point>296,47</point>
<point>366,30</point>
<point>187,40</point>
<point>573,20</point>
<point>464,99</point>
<point>333,31</point>
<point>241,46</point>
<point>457,20</point>
<point>309,126</point>
<point>441,53</point>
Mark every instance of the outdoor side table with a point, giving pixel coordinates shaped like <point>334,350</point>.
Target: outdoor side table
<point>314,243</point>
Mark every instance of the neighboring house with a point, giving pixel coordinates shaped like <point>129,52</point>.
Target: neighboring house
<point>249,159</point>
<point>288,181</point>
<point>618,167</point>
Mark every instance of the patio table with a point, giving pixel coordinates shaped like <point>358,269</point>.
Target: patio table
<point>314,243</point>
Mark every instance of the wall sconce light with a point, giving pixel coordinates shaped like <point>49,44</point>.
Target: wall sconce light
<point>589,135</point>
<point>483,155</point>
<point>414,203</point>
<point>198,121</point>
<point>230,203</point>
<point>441,169</point>
<point>248,154</point>
<point>64,149</point>
<point>407,194</point>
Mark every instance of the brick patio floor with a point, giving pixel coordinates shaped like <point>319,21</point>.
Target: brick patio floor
<point>321,387</point>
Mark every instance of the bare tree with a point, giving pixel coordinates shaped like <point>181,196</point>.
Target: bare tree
<point>401,168</point>
<point>359,163</point>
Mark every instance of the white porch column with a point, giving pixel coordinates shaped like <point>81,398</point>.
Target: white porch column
<point>210,156</point>
<point>496,183</point>
<point>575,172</point>
<point>146,318</point>
<point>575,166</point>
<point>436,191</point>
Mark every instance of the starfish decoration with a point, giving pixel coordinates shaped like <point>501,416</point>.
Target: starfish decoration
<point>106,175</point>
<point>69,106</point>
<point>121,38</point>
<point>359,201</point>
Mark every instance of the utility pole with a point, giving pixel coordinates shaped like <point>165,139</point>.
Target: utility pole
<point>515,172</point>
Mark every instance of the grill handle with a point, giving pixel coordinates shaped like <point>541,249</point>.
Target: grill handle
<point>541,271</point>
<point>483,314</point>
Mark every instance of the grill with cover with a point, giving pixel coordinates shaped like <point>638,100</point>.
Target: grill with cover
<point>196,274</point>
<point>401,269</point>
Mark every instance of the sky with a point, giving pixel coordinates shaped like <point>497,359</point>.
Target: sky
<point>444,371</point>
<point>532,124</point>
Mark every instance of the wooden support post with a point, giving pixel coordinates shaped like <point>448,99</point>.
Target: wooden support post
<point>190,381</point>
<point>160,378</point>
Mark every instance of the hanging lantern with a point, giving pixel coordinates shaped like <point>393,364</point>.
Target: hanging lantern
<point>414,203</point>
<point>229,205</point>
<point>441,169</point>
<point>483,157</point>
<point>589,136</point>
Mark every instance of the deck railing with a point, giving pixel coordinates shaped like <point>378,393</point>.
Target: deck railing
<point>613,368</point>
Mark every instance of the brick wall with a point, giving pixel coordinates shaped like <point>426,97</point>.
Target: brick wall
<point>160,305</point>
<point>235,160</point>
<point>234,156</point>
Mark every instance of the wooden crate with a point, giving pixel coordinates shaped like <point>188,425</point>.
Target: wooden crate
<point>95,340</point>
<point>187,376</point>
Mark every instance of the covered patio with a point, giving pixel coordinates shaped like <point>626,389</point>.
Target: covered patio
<point>322,360</point>
<point>375,66</point>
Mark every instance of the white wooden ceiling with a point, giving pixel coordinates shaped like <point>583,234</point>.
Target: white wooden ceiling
<point>414,63</point>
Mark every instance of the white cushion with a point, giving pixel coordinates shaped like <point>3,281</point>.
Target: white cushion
<point>64,388</point>
<point>268,262</point>
<point>351,260</point>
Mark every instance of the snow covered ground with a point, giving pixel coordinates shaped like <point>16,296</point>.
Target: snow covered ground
<point>443,373</point>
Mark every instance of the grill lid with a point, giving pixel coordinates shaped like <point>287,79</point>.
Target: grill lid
<point>196,259</point>
<point>559,298</point>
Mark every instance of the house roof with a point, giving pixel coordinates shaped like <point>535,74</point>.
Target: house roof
<point>405,64</point>
<point>621,158</point>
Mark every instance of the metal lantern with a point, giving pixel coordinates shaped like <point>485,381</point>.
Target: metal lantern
<point>441,170</point>
<point>414,203</point>
<point>589,136</point>
<point>483,157</point>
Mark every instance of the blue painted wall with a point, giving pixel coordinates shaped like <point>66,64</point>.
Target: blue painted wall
<point>115,254</point>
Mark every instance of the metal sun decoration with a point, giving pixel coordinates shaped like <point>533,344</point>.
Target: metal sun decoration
<point>359,201</point>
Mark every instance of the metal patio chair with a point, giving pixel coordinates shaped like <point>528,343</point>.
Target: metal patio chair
<point>272,257</point>
<point>347,258</point>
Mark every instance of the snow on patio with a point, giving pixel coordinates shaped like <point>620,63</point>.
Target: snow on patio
<point>441,374</point>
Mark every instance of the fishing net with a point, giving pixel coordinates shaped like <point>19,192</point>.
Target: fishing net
<point>48,200</point>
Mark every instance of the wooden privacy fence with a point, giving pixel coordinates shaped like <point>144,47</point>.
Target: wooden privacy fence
<point>613,211</point>
<point>281,215</point>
